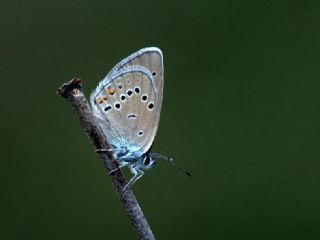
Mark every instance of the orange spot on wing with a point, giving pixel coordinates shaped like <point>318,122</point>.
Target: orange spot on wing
<point>99,100</point>
<point>110,90</point>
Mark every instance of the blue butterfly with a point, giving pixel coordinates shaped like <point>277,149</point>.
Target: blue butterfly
<point>127,104</point>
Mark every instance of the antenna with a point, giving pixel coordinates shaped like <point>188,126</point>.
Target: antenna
<point>169,160</point>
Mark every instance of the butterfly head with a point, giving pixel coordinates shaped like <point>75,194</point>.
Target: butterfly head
<point>148,162</point>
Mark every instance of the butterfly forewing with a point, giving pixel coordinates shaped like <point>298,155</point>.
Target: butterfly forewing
<point>128,100</point>
<point>150,58</point>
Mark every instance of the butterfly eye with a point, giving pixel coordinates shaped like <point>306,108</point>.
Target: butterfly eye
<point>154,73</point>
<point>140,133</point>
<point>147,161</point>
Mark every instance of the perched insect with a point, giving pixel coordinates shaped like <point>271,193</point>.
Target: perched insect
<point>127,104</point>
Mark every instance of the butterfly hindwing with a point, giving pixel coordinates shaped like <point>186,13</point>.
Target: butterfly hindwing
<point>129,105</point>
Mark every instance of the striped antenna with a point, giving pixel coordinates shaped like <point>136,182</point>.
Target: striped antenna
<point>169,160</point>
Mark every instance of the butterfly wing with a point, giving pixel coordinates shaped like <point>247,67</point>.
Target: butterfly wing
<point>128,101</point>
<point>150,58</point>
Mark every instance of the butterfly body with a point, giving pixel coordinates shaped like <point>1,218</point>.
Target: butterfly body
<point>127,105</point>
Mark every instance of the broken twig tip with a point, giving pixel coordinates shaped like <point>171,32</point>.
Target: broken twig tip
<point>74,85</point>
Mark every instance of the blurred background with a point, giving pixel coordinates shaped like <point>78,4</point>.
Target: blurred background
<point>240,111</point>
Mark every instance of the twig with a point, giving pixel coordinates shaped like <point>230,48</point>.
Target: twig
<point>72,91</point>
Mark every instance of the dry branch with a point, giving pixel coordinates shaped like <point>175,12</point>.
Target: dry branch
<point>72,91</point>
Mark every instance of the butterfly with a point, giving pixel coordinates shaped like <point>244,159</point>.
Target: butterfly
<point>127,104</point>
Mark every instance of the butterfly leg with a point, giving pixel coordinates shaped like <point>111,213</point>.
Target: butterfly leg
<point>101,150</point>
<point>140,174</point>
<point>121,165</point>
<point>136,175</point>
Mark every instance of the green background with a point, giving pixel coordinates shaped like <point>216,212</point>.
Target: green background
<point>240,111</point>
